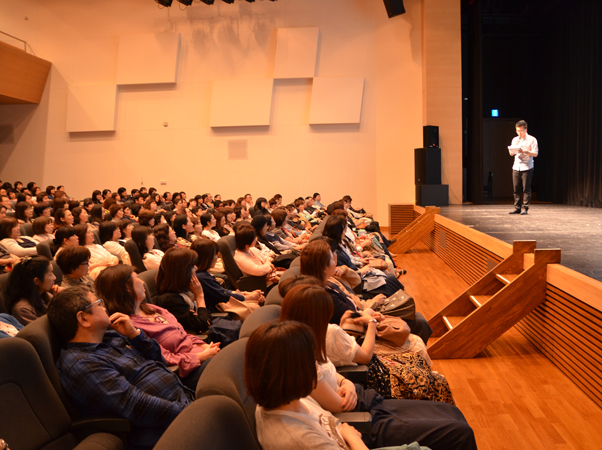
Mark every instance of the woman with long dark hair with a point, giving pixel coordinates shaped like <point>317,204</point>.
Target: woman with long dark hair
<point>123,291</point>
<point>180,292</point>
<point>23,212</point>
<point>30,288</point>
<point>151,257</point>
<point>207,252</point>
<point>97,216</point>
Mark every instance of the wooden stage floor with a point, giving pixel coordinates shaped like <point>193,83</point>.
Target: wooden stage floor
<point>511,394</point>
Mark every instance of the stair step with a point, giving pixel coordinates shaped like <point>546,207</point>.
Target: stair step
<point>452,321</point>
<point>507,278</point>
<point>479,300</point>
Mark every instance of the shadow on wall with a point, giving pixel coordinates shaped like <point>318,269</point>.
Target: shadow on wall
<point>14,120</point>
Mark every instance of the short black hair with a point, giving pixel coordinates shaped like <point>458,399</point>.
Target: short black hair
<point>71,257</point>
<point>63,309</point>
<point>522,124</point>
<point>244,235</point>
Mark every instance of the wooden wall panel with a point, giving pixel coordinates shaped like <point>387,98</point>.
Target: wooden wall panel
<point>565,328</point>
<point>22,76</point>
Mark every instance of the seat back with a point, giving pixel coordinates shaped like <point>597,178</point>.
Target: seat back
<point>273,297</point>
<point>210,423</point>
<point>225,376</point>
<point>32,415</point>
<point>57,272</point>
<point>47,345</point>
<point>135,256</point>
<point>227,247</point>
<point>44,248</point>
<point>149,278</point>
<point>3,286</point>
<point>26,229</point>
<point>265,314</point>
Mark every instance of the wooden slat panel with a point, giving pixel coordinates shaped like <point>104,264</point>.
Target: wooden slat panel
<point>469,260</point>
<point>569,333</point>
<point>400,216</point>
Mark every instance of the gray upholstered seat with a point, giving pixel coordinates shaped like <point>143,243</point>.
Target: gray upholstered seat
<point>32,414</point>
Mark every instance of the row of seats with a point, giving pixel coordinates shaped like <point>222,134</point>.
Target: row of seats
<point>221,402</point>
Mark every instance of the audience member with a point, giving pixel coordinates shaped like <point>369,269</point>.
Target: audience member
<point>107,366</point>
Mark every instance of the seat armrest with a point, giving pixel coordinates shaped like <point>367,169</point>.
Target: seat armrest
<point>219,314</point>
<point>102,423</point>
<point>356,374</point>
<point>361,421</point>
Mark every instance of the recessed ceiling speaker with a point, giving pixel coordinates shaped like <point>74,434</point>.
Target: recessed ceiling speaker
<point>394,7</point>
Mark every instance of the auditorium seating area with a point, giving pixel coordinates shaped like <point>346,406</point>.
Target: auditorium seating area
<point>491,389</point>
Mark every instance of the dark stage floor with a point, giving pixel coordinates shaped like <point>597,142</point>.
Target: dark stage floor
<point>575,230</point>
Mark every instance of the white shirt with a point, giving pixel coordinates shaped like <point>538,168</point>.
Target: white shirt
<point>311,429</point>
<point>340,347</point>
<point>522,161</point>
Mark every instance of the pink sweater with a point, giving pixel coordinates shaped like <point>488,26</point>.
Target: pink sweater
<point>177,347</point>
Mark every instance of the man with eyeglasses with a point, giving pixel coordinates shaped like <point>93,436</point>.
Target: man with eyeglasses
<point>107,366</point>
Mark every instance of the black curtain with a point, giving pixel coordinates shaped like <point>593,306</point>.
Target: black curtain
<point>572,158</point>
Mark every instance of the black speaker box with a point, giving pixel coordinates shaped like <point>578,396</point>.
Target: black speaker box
<point>427,165</point>
<point>394,7</point>
<point>432,195</point>
<point>430,136</point>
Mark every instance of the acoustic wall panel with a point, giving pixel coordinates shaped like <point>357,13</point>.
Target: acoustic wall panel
<point>296,52</point>
<point>148,58</point>
<point>241,103</point>
<point>91,108</point>
<point>336,100</point>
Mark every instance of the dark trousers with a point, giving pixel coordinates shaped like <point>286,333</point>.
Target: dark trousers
<point>522,187</point>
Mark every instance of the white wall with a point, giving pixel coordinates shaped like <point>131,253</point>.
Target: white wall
<point>372,161</point>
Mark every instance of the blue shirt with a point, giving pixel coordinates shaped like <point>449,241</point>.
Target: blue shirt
<point>214,292</point>
<point>125,378</point>
<point>8,324</point>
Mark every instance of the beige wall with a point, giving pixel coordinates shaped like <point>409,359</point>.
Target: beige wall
<point>442,86</point>
<point>372,161</point>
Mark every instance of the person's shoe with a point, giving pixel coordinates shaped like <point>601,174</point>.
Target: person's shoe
<point>525,211</point>
<point>516,211</point>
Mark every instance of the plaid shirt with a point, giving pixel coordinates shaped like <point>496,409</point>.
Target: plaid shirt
<point>126,378</point>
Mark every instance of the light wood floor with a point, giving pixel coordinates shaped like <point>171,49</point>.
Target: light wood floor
<point>511,394</point>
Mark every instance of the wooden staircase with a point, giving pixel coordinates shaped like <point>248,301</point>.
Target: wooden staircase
<point>415,231</point>
<point>496,302</point>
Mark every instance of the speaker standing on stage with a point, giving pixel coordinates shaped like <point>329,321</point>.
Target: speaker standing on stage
<point>524,148</point>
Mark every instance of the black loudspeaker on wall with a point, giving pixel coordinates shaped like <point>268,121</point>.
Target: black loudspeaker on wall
<point>430,136</point>
<point>394,7</point>
<point>427,166</point>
